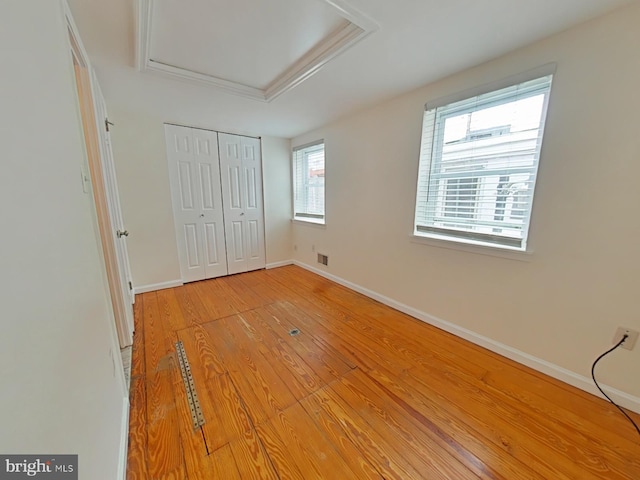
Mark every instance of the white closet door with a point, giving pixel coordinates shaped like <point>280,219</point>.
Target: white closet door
<point>197,206</point>
<point>241,167</point>
<point>205,146</point>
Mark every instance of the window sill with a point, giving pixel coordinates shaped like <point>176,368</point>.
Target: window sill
<point>314,222</point>
<point>472,246</point>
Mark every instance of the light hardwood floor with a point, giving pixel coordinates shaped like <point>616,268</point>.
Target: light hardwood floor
<point>363,391</point>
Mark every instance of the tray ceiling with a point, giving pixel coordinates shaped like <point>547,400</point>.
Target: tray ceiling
<point>256,49</point>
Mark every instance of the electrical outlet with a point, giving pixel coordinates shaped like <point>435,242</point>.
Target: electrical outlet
<point>295,248</point>
<point>313,248</point>
<point>631,340</point>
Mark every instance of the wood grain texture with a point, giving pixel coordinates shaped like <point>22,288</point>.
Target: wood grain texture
<point>363,391</point>
<point>137,353</point>
<point>137,465</point>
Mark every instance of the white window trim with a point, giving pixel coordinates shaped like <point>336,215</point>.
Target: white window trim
<point>302,220</point>
<point>472,246</point>
<point>467,244</point>
<point>309,222</point>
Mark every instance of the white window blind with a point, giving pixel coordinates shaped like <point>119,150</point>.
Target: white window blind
<point>308,182</point>
<point>478,165</point>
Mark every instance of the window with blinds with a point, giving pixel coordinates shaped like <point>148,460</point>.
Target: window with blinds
<point>308,182</point>
<point>478,163</point>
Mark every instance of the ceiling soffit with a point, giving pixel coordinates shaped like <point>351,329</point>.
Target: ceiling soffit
<point>352,27</point>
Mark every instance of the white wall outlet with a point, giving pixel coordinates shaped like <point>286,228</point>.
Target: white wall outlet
<point>295,248</point>
<point>631,340</point>
<point>313,248</point>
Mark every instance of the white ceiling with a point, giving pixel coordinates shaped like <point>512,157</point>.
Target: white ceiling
<point>266,37</point>
<point>418,41</point>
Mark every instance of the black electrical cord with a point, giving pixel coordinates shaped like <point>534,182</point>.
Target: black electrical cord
<point>593,375</point>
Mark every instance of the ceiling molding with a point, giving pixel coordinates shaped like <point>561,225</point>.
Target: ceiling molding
<point>358,26</point>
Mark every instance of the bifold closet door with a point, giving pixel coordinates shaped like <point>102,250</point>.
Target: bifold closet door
<point>194,172</point>
<point>241,168</point>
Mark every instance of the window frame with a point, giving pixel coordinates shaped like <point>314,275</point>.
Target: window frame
<point>432,148</point>
<point>307,217</point>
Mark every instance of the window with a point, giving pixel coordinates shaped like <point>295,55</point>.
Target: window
<point>308,182</point>
<point>478,163</point>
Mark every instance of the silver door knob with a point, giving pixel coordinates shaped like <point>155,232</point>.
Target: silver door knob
<point>124,233</point>
<point>242,213</point>
<point>201,215</point>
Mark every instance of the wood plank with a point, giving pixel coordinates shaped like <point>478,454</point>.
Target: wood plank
<point>306,446</point>
<point>470,358</point>
<point>201,350</point>
<point>222,343</point>
<point>224,465</point>
<point>156,345</point>
<point>430,415</point>
<point>197,463</point>
<point>171,314</point>
<point>478,365</point>
<point>299,377</point>
<point>258,375</point>
<point>193,309</point>
<point>427,458</point>
<point>326,361</point>
<point>519,436</point>
<point>251,459</point>
<point>137,455</point>
<point>390,463</point>
<point>219,299</point>
<point>334,433</point>
<point>378,408</point>
<point>252,297</point>
<point>363,392</point>
<point>165,454</point>
<point>137,352</point>
<point>227,416</point>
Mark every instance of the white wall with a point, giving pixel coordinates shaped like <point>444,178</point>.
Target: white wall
<point>276,165</point>
<point>61,392</point>
<point>561,304</point>
<point>143,180</point>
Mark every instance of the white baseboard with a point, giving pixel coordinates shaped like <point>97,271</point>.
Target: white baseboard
<point>283,263</point>
<point>157,286</point>
<point>124,440</point>
<point>579,381</point>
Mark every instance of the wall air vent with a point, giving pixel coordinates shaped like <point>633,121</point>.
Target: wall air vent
<point>323,259</point>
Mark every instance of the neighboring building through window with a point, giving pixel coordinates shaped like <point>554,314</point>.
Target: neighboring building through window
<point>479,161</point>
<point>308,182</point>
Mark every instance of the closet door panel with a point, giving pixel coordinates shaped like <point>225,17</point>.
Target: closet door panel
<point>253,204</point>
<point>211,208</point>
<point>233,197</point>
<point>194,173</point>
<point>186,199</point>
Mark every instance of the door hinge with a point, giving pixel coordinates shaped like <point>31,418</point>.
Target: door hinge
<point>130,286</point>
<point>107,123</point>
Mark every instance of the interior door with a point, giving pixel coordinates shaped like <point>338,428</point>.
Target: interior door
<point>88,89</point>
<point>113,199</point>
<point>197,204</point>
<point>241,167</point>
